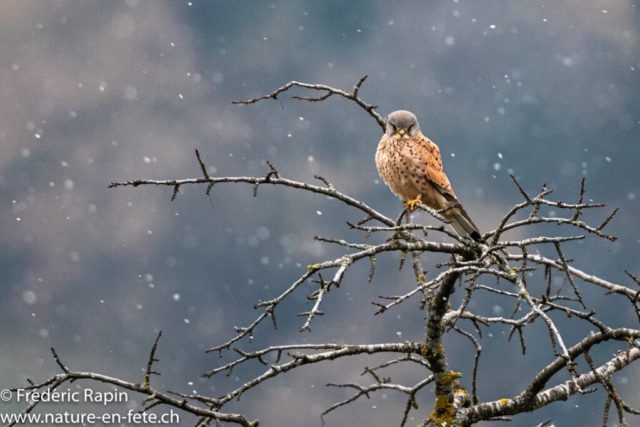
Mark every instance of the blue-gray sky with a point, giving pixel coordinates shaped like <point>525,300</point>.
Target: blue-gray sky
<point>94,92</point>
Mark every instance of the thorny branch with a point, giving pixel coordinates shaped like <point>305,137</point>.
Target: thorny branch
<point>381,384</point>
<point>510,261</point>
<point>353,96</point>
<point>156,397</point>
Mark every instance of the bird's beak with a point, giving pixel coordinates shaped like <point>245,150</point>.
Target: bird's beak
<point>402,132</point>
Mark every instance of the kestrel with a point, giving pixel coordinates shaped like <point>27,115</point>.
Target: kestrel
<point>410,164</point>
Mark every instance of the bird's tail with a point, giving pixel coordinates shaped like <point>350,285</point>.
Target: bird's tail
<point>462,224</point>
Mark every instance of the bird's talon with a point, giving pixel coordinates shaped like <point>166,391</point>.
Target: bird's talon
<point>411,203</point>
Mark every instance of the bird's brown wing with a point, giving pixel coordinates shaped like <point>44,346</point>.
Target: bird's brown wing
<point>433,185</point>
<point>425,158</point>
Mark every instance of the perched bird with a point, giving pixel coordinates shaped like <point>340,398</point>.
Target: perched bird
<point>410,164</point>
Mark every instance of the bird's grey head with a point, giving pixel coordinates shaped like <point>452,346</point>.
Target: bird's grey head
<point>401,123</point>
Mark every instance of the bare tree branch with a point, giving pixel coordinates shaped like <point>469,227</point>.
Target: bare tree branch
<point>353,96</point>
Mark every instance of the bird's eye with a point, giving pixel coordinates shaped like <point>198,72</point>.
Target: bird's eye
<point>393,128</point>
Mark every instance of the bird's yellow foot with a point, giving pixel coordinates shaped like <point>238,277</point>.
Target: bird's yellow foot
<point>412,203</point>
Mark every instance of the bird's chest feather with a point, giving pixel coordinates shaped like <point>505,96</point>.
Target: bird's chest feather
<point>395,166</point>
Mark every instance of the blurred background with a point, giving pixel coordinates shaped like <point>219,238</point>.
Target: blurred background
<point>94,92</point>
